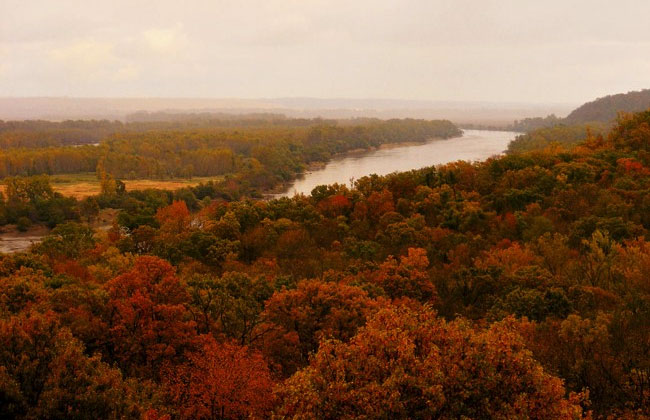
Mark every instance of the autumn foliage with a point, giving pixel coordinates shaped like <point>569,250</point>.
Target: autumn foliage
<point>406,364</point>
<point>511,288</point>
<point>220,381</point>
<point>148,322</point>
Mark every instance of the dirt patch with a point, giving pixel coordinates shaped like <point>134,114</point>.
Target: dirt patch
<point>105,219</point>
<point>12,240</point>
<point>9,244</point>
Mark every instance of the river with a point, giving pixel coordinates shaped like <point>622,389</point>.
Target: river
<point>473,145</point>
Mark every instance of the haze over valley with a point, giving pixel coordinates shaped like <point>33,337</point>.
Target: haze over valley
<point>131,109</point>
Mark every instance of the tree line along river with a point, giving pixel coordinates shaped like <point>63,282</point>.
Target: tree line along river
<point>472,146</point>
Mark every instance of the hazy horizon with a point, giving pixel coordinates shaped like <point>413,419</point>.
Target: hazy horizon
<point>486,113</point>
<point>378,99</point>
<point>498,51</point>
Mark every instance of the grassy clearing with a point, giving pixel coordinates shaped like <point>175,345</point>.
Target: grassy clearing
<point>87,184</point>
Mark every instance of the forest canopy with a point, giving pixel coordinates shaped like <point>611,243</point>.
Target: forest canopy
<point>516,287</point>
<point>590,119</point>
<point>197,147</point>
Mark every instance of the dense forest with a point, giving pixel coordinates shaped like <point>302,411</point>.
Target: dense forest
<point>591,119</point>
<point>511,288</point>
<point>197,147</point>
<point>255,153</point>
<point>530,124</point>
<point>556,136</point>
<point>606,109</point>
<point>38,134</point>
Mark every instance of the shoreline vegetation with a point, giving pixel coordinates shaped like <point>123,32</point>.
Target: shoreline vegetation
<point>234,158</point>
<point>317,165</point>
<point>254,151</point>
<point>81,186</point>
<point>85,185</point>
<point>589,122</point>
<point>201,148</point>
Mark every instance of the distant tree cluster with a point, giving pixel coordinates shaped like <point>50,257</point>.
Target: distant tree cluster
<point>606,109</point>
<point>530,124</point>
<point>556,136</point>
<point>31,200</point>
<point>591,119</point>
<point>40,134</point>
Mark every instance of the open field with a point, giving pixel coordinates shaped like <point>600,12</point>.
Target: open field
<point>87,184</point>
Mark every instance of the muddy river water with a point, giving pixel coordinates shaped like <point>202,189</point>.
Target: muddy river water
<point>473,145</point>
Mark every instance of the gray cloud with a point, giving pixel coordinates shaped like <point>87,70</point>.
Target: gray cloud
<point>496,50</point>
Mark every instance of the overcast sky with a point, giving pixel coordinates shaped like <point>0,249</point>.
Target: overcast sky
<point>540,51</point>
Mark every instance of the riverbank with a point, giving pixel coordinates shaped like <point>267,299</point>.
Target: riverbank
<point>281,189</point>
<point>13,240</point>
<point>473,145</point>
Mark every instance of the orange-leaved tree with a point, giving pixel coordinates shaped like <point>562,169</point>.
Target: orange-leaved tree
<point>149,322</point>
<point>45,374</point>
<point>296,320</point>
<point>408,278</point>
<point>220,381</point>
<point>411,364</point>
